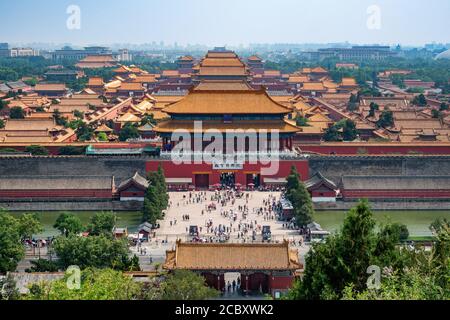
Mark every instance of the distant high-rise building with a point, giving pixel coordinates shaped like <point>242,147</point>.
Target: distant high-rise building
<point>74,54</point>
<point>4,49</point>
<point>124,55</point>
<point>23,52</point>
<point>353,53</point>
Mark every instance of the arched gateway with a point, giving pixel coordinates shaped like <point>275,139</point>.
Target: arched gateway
<point>270,268</point>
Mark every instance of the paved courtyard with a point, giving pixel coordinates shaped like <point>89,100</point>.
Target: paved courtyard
<point>220,216</point>
<point>236,214</point>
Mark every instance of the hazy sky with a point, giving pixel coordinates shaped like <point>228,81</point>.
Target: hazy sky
<point>226,22</point>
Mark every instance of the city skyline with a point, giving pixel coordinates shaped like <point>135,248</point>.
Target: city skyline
<point>232,23</point>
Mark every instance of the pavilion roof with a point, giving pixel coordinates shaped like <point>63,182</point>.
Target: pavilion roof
<point>230,102</point>
<point>348,82</point>
<point>186,58</point>
<point>145,78</point>
<point>99,58</point>
<point>254,58</point>
<point>104,128</point>
<point>50,87</point>
<point>222,62</point>
<point>222,71</point>
<point>298,79</point>
<point>113,84</point>
<point>131,86</point>
<point>137,179</point>
<point>272,73</point>
<point>29,124</point>
<point>189,125</point>
<point>225,54</point>
<point>128,117</point>
<point>95,81</point>
<point>317,180</point>
<point>143,106</point>
<point>226,85</point>
<point>319,70</point>
<point>313,86</point>
<point>170,73</point>
<point>232,256</point>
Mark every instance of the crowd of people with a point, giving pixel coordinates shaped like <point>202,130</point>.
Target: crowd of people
<point>228,215</point>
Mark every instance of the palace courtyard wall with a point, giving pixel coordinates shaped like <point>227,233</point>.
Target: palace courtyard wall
<point>124,167</point>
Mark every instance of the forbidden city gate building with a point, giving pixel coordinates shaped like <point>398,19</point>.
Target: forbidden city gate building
<point>270,268</point>
<point>219,107</point>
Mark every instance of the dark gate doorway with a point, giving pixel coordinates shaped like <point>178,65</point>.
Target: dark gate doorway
<point>228,179</point>
<point>202,181</point>
<point>253,180</point>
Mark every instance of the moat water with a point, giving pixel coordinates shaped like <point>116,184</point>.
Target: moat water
<point>418,222</point>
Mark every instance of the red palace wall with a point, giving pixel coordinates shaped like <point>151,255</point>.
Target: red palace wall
<point>328,194</point>
<point>131,194</point>
<point>281,282</point>
<point>18,194</point>
<point>172,170</point>
<point>411,194</point>
<point>382,149</point>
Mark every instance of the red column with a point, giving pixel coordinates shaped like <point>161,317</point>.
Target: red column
<point>241,178</point>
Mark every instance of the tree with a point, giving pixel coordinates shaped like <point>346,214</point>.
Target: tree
<point>29,225</point>
<point>186,285</point>
<point>373,108</point>
<point>398,80</point>
<point>84,131</point>
<point>353,103</point>
<point>71,151</point>
<point>59,119</point>
<point>341,261</point>
<point>102,136</point>
<point>349,132</point>
<point>436,114</point>
<point>411,285</point>
<point>148,119</point>
<point>43,265</point>
<point>443,107</point>
<point>95,284</point>
<point>386,119</point>
<point>300,198</point>
<point>2,123</point>
<point>156,197</point>
<point>161,185</point>
<point>12,232</point>
<point>420,100</point>
<point>332,134</point>
<point>293,181</point>
<point>129,131</point>
<point>301,121</point>
<point>102,224</point>
<point>425,276</point>
<point>151,210</point>
<point>68,224</point>
<point>3,104</point>
<point>36,150</point>
<point>92,251</point>
<point>8,289</point>
<point>78,114</point>
<point>16,113</point>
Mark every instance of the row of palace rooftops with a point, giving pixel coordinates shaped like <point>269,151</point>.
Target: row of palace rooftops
<point>321,101</point>
<point>410,123</point>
